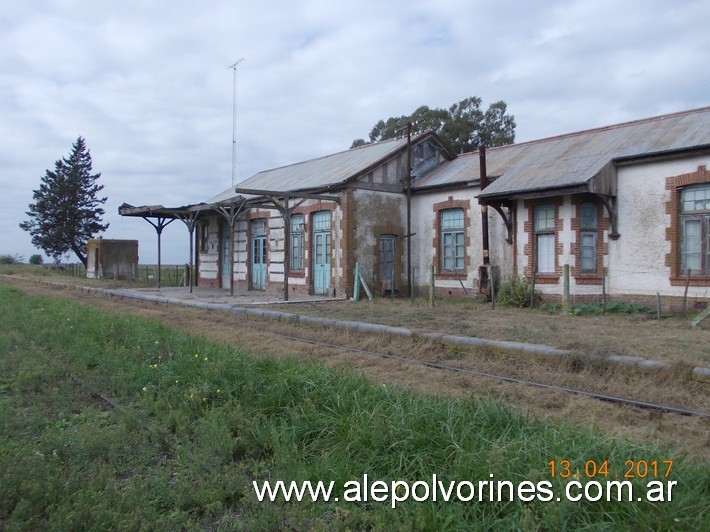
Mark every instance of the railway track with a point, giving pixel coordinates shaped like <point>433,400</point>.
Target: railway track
<point>503,378</point>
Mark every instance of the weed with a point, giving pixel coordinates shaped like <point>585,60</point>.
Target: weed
<point>515,291</point>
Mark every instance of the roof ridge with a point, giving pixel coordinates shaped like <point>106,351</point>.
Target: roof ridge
<point>326,156</point>
<point>607,128</point>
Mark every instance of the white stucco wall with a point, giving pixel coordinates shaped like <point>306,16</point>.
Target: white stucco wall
<point>208,259</point>
<point>501,253</point>
<point>637,260</point>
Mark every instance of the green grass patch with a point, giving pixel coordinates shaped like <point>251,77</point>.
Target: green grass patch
<point>198,422</point>
<point>597,309</point>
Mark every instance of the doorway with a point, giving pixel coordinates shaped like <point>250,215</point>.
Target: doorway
<point>321,252</point>
<point>258,254</point>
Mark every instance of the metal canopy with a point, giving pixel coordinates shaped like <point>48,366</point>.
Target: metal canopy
<point>230,209</point>
<point>280,200</point>
<point>189,215</point>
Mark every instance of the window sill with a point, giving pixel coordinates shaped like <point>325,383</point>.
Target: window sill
<point>451,276</point>
<point>588,279</point>
<point>695,280</point>
<point>550,278</point>
<point>297,274</point>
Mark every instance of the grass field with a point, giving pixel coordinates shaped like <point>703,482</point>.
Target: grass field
<point>670,339</point>
<point>116,422</point>
<point>171,274</point>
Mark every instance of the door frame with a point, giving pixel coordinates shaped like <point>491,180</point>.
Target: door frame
<point>263,236</point>
<point>392,288</point>
<point>317,231</point>
<point>224,241</point>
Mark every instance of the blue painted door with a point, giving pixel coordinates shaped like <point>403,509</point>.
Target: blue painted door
<point>226,255</point>
<point>258,254</point>
<point>388,245</point>
<point>321,252</point>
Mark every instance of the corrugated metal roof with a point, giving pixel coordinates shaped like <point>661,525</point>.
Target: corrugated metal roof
<point>318,173</point>
<point>463,169</point>
<point>574,159</point>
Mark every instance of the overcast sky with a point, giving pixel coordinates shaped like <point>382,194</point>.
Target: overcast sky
<point>147,84</point>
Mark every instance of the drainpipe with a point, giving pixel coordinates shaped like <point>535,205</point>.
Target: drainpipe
<point>484,208</point>
<point>409,209</point>
<point>485,274</point>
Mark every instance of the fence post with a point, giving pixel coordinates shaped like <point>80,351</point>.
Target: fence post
<point>603,291</point>
<point>566,304</point>
<point>411,287</point>
<point>356,288</point>
<point>685,294</point>
<point>431,286</point>
<point>492,286</point>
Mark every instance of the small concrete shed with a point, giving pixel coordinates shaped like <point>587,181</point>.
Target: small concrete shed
<point>111,259</point>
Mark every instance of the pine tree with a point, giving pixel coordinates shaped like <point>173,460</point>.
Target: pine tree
<point>66,212</point>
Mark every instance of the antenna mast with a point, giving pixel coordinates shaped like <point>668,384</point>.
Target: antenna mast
<point>233,66</point>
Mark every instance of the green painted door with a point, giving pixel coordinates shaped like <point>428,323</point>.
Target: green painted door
<point>258,254</point>
<point>321,252</point>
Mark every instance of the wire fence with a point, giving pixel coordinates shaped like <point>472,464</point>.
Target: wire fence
<point>146,274</point>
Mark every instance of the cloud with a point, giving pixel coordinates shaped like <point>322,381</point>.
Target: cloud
<point>148,85</point>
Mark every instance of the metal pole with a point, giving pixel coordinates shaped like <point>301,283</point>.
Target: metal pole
<point>286,213</point>
<point>160,231</point>
<point>409,208</point>
<point>234,118</point>
<point>484,208</point>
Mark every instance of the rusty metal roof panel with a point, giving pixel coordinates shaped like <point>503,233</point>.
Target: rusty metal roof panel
<point>321,172</point>
<point>463,169</point>
<point>573,159</point>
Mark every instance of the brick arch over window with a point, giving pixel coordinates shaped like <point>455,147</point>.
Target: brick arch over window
<point>451,203</point>
<point>675,185</point>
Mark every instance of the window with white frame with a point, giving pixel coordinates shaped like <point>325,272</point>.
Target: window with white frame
<point>695,230</point>
<point>545,239</point>
<point>452,239</point>
<point>296,251</point>
<point>588,224</point>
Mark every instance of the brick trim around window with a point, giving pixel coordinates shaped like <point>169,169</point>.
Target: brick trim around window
<point>529,228</point>
<point>307,212</point>
<point>251,216</point>
<point>602,247</point>
<point>675,184</point>
<point>451,203</point>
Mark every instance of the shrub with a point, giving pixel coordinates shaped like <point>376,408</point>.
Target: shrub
<point>515,291</point>
<point>10,259</point>
<point>36,259</point>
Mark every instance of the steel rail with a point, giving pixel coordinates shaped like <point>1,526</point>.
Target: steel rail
<point>551,387</point>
